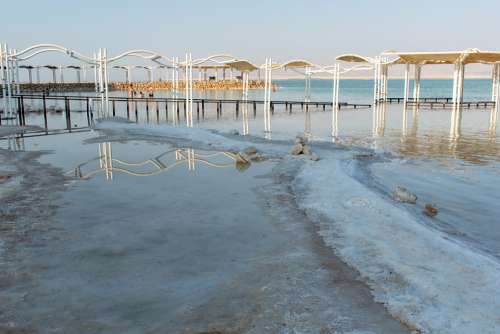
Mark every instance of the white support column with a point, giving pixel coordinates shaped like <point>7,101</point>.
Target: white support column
<point>101,80</point>
<point>416,82</point>
<point>376,80</point>
<point>496,98</point>
<point>38,74</point>
<point>54,77</point>
<point>96,85</point>
<point>407,84</point>
<point>189,89</point>
<point>78,75</point>
<point>458,85</point>
<point>494,82</point>
<point>3,80</point>
<point>16,74</point>
<point>106,76</point>
<point>61,75</point>
<point>267,104</point>
<point>8,80</point>
<point>385,80</point>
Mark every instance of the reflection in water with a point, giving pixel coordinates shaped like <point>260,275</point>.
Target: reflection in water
<point>307,124</point>
<point>379,110</point>
<point>158,164</point>
<point>244,117</point>
<point>493,120</point>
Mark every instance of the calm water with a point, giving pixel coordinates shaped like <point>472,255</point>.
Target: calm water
<point>422,155</point>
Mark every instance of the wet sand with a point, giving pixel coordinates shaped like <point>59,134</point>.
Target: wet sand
<point>220,251</point>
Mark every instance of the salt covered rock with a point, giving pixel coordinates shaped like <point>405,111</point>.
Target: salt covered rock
<point>300,140</point>
<point>297,149</point>
<point>306,150</point>
<point>403,195</point>
<point>234,133</point>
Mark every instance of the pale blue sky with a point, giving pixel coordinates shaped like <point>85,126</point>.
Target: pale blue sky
<point>316,30</point>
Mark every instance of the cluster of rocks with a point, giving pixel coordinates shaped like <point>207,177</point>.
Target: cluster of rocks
<point>403,195</point>
<point>301,147</point>
<point>244,158</point>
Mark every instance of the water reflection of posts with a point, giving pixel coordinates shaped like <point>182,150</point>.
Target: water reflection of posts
<point>379,119</point>
<point>109,165</point>
<point>307,124</point>
<point>335,101</point>
<point>245,103</point>
<point>495,96</point>
<point>404,132</point>
<point>267,94</point>
<point>106,159</point>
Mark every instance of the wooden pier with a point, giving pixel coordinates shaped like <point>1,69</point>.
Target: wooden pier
<point>439,103</point>
<point>136,105</point>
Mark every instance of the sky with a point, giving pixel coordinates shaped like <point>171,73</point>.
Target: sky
<point>314,30</point>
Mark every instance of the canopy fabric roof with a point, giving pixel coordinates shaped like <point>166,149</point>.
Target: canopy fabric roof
<point>468,56</point>
<point>296,63</point>
<point>241,65</point>
<point>354,58</point>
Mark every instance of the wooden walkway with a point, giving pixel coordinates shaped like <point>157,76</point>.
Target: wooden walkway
<point>132,105</point>
<point>440,103</point>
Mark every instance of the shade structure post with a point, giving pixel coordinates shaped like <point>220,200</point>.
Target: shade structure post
<point>385,74</point>
<point>245,130</point>
<point>267,95</point>
<point>496,98</point>
<point>16,73</point>
<point>376,80</point>
<point>84,72</point>
<point>54,78</point>
<point>2,80</point>
<point>458,85</point>
<point>61,74</point>
<point>38,74</point>
<point>78,76</point>
<point>106,76</point>
<point>96,84</point>
<point>30,75</point>
<point>416,82</point>
<point>494,82</point>
<point>189,89</point>
<point>407,83</point>
<point>8,74</point>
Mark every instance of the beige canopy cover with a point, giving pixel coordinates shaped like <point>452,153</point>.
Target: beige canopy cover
<point>468,56</point>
